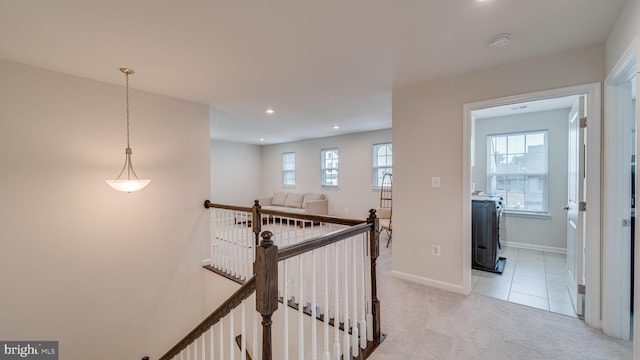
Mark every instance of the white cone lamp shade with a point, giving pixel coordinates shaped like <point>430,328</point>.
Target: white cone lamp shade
<point>131,182</point>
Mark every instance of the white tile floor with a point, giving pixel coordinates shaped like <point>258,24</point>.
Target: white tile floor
<point>532,278</point>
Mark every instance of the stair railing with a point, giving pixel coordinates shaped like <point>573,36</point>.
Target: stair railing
<point>326,283</point>
<point>345,262</point>
<point>235,233</point>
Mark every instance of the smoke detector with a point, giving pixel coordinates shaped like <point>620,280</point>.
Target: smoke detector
<point>499,40</point>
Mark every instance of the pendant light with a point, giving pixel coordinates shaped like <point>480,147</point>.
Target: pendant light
<point>130,183</point>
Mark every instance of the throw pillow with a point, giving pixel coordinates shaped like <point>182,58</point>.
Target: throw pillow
<point>279,198</point>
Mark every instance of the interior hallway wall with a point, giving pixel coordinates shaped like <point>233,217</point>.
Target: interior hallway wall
<point>109,275</point>
<point>427,130</point>
<point>235,173</point>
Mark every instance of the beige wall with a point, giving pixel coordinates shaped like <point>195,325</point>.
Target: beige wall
<point>235,173</point>
<point>354,196</point>
<point>542,233</point>
<point>624,32</point>
<point>109,275</point>
<point>427,130</point>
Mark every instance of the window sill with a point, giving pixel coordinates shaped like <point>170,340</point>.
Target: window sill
<point>329,187</point>
<point>288,186</point>
<point>530,215</point>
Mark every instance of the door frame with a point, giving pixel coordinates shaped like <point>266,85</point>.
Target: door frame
<point>615,259</point>
<point>592,226</point>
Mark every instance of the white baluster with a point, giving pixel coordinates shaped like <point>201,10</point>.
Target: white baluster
<point>195,349</point>
<point>222,338</point>
<point>327,354</point>
<point>255,334</point>
<point>203,346</point>
<point>367,259</point>
<point>354,328</point>
<point>300,310</point>
<point>214,240</point>
<point>248,249</point>
<point>336,316</point>
<point>346,340</point>
<point>234,243</point>
<point>363,295</point>
<point>234,235</point>
<point>212,344</point>
<point>243,336</point>
<point>189,352</point>
<point>285,294</point>
<point>212,237</point>
<point>232,353</point>
<point>225,244</point>
<point>314,342</point>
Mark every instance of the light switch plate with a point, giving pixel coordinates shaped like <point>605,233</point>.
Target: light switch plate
<point>435,182</point>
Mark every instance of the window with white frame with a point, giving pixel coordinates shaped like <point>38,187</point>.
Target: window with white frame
<point>289,169</point>
<point>382,162</point>
<point>329,159</point>
<point>517,169</point>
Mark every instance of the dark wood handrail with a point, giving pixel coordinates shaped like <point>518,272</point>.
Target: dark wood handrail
<point>231,303</point>
<point>293,215</point>
<point>208,204</point>
<point>314,218</point>
<point>316,242</point>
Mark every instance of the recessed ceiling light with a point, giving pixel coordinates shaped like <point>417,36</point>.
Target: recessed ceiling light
<point>270,111</point>
<point>499,40</point>
<point>261,139</point>
<point>336,127</point>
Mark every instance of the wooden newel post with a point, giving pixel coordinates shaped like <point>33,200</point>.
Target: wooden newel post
<point>266,272</point>
<point>257,221</point>
<point>374,248</point>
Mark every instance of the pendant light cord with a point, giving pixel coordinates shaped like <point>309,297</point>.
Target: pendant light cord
<point>128,137</point>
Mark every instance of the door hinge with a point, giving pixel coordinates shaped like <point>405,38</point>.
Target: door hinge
<point>582,206</point>
<point>582,289</point>
<point>626,222</point>
<point>583,122</point>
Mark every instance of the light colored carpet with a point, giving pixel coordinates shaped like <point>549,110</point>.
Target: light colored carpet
<point>425,323</point>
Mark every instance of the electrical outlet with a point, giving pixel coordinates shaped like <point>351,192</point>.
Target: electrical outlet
<point>435,250</point>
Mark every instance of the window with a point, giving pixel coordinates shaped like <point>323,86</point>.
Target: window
<point>517,169</point>
<point>329,159</point>
<point>288,169</point>
<point>382,162</point>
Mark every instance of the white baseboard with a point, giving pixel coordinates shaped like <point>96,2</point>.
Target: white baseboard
<point>206,262</point>
<point>430,282</point>
<point>535,247</point>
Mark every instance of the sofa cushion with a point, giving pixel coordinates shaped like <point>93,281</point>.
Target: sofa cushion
<point>311,197</point>
<point>294,200</point>
<point>282,208</point>
<point>279,198</point>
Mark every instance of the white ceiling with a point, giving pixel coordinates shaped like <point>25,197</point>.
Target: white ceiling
<point>317,63</point>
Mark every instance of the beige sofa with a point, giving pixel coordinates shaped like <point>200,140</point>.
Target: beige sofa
<point>309,203</point>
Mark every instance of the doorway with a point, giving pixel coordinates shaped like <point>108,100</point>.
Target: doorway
<point>592,191</point>
<point>521,158</point>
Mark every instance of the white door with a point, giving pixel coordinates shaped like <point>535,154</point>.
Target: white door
<point>575,196</point>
